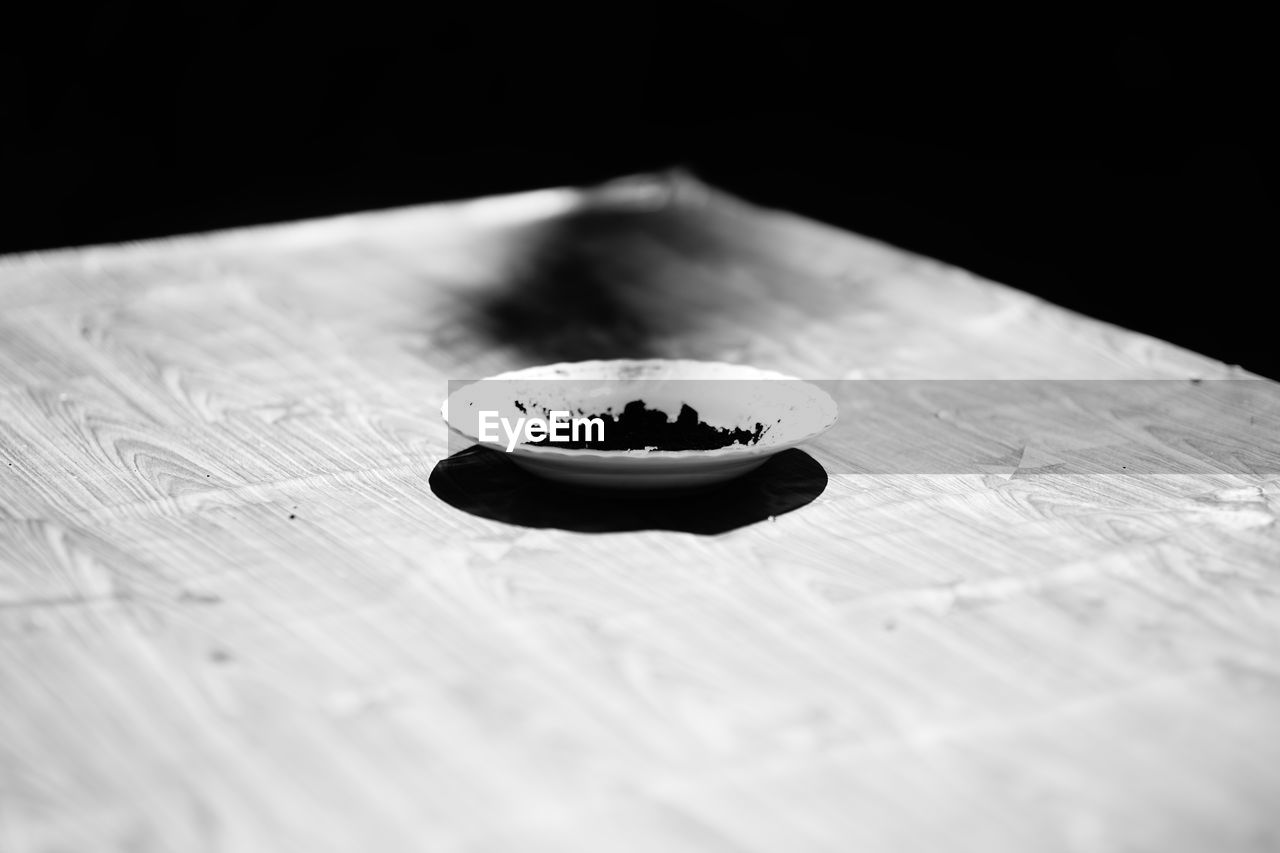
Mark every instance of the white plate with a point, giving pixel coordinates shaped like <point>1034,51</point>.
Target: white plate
<point>724,395</point>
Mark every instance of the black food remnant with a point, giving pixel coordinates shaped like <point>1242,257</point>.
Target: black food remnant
<point>641,428</point>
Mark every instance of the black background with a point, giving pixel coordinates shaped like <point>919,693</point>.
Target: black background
<point>1124,169</point>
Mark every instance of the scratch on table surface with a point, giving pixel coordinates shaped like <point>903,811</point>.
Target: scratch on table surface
<point>931,737</point>
<point>942,598</point>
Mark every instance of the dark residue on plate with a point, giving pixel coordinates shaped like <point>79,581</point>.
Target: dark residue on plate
<point>641,428</point>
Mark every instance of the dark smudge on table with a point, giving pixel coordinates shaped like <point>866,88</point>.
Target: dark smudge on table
<point>640,282</point>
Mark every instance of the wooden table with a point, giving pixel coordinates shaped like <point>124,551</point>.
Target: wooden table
<point>235,616</point>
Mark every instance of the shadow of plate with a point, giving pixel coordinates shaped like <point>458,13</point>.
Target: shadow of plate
<point>485,483</point>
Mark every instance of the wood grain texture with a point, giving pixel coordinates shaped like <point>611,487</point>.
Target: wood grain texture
<point>233,616</point>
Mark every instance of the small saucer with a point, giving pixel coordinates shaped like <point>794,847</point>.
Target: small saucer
<point>784,411</point>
